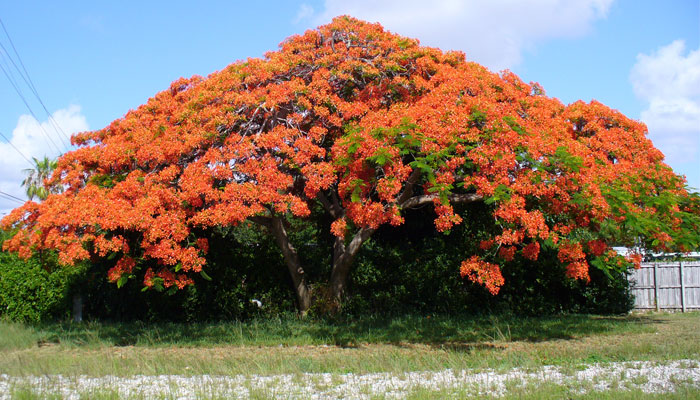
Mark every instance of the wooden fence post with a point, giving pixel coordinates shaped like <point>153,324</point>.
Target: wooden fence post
<point>682,289</point>
<point>656,285</point>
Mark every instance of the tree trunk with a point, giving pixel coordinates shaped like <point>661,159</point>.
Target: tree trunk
<point>343,257</point>
<point>78,307</point>
<point>291,258</point>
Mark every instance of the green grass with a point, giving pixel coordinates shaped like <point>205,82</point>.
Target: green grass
<point>371,344</point>
<point>555,392</point>
<point>15,336</point>
<point>292,331</point>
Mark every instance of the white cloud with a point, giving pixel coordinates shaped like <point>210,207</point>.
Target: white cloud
<point>668,80</point>
<point>29,139</point>
<point>491,32</point>
<point>305,11</point>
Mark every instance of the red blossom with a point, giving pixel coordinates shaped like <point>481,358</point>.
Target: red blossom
<point>484,273</point>
<point>339,227</point>
<point>507,252</point>
<point>203,245</point>
<point>597,247</point>
<point>635,259</point>
<point>578,270</point>
<point>531,251</point>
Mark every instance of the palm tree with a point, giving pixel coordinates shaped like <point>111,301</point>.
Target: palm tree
<point>34,182</point>
<point>35,187</point>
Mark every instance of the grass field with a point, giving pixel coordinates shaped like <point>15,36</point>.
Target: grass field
<point>372,344</point>
<point>324,354</point>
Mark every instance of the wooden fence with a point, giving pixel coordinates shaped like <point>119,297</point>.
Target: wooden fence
<point>666,285</point>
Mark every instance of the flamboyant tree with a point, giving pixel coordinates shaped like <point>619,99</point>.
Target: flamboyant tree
<point>365,124</point>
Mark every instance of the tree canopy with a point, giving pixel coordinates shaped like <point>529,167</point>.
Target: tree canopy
<point>363,124</point>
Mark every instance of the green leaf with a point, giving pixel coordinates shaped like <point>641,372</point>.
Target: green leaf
<point>355,196</point>
<point>205,275</point>
<point>420,165</point>
<point>122,281</point>
<point>563,158</point>
<point>352,149</point>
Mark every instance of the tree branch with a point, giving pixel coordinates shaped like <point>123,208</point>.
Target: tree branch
<point>357,240</point>
<point>260,220</point>
<point>410,184</point>
<point>336,201</point>
<point>333,208</point>
<point>416,201</point>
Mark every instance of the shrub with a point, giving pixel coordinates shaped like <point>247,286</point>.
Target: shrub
<point>243,265</point>
<point>34,290</point>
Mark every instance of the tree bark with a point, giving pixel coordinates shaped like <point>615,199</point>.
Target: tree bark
<point>416,201</point>
<point>343,257</point>
<point>291,258</point>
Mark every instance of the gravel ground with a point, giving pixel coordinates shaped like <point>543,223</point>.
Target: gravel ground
<point>650,377</point>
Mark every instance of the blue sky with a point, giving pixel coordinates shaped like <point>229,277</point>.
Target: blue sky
<point>93,61</point>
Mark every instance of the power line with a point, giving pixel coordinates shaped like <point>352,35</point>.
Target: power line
<point>24,100</point>
<point>8,196</point>
<point>28,81</point>
<point>12,196</point>
<point>18,57</point>
<point>10,78</point>
<point>5,54</point>
<point>16,149</point>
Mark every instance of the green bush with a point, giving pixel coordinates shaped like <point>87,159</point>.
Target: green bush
<point>243,264</point>
<point>34,290</point>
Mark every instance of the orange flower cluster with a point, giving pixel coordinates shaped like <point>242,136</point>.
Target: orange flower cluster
<point>507,252</point>
<point>635,259</point>
<point>578,270</point>
<point>572,254</point>
<point>124,266</point>
<point>532,251</point>
<point>484,273</point>
<point>597,247</point>
<point>339,227</point>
